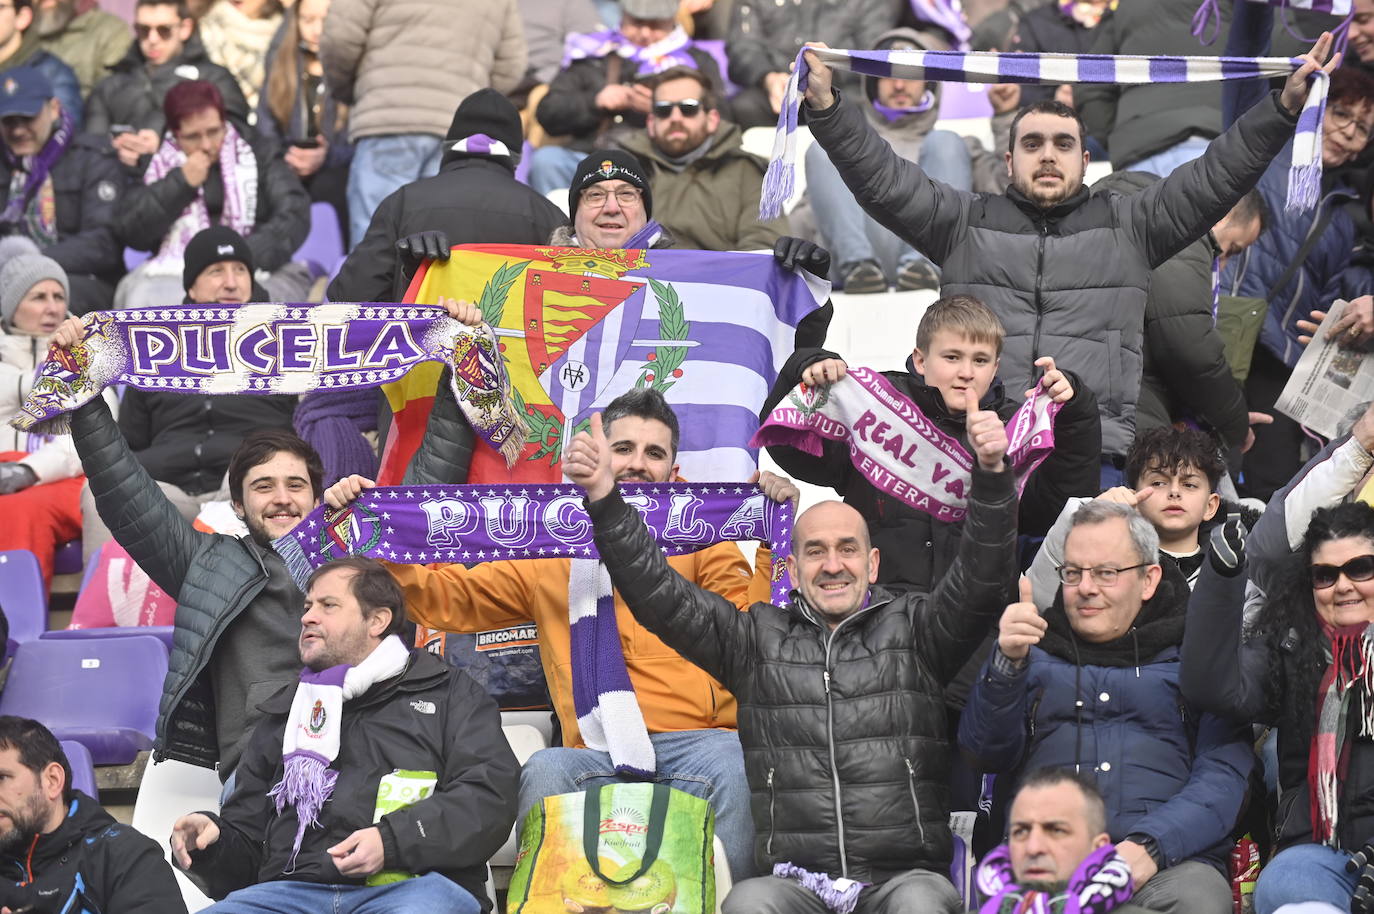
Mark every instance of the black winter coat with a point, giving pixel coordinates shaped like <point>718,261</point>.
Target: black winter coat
<point>569,107</point>
<point>1185,371</point>
<point>133,96</point>
<point>473,199</point>
<point>1048,29</point>
<point>846,743</point>
<point>283,208</point>
<point>916,548</point>
<point>430,718</point>
<point>93,863</point>
<point>188,439</point>
<point>87,186</point>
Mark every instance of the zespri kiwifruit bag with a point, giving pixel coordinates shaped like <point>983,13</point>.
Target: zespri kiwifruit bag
<point>618,849</point>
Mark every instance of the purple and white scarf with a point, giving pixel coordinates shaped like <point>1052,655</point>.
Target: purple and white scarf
<point>31,199</point>
<point>1101,883</point>
<point>642,240</point>
<point>947,15</point>
<point>1304,179</point>
<point>461,523</point>
<point>838,894</point>
<point>1208,17</point>
<point>239,172</point>
<point>668,52</point>
<point>895,447</point>
<point>275,349</point>
<point>892,115</point>
<point>479,144</point>
<point>310,741</point>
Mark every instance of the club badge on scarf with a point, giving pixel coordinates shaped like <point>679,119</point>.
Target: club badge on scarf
<point>894,445</point>
<point>275,349</point>
<point>460,523</point>
<point>1304,178</point>
<point>1101,883</point>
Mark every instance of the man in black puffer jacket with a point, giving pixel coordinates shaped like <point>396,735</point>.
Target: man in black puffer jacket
<point>1066,271</point>
<point>841,692</point>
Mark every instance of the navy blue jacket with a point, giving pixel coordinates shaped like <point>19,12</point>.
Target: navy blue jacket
<point>1166,769</point>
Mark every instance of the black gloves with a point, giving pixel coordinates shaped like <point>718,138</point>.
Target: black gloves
<point>1227,547</point>
<point>792,253</point>
<point>15,477</point>
<point>424,245</point>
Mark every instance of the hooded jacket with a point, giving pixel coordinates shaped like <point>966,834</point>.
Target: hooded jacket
<point>1167,769</point>
<point>93,863</point>
<point>88,185</point>
<point>711,204</point>
<point>430,718</point>
<point>90,44</point>
<point>473,199</point>
<point>1031,265</point>
<point>917,549</point>
<point>1185,372</point>
<point>844,731</point>
<point>132,93</point>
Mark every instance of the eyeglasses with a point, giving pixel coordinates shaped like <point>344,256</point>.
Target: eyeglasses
<point>1360,568</point>
<point>165,32</point>
<point>625,196</point>
<point>1102,574</point>
<point>690,107</point>
<point>1343,119</point>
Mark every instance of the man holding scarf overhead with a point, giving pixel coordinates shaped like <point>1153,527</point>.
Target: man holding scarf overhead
<point>59,189</point>
<point>1066,271</point>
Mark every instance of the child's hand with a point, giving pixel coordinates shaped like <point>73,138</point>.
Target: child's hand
<point>1054,383</point>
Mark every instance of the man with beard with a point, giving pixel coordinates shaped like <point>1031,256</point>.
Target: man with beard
<point>1067,271</point>
<point>59,850</point>
<point>377,718</point>
<point>82,35</point>
<point>702,177</point>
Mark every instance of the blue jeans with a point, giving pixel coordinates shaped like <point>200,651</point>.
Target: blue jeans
<point>852,234</point>
<point>1164,162</point>
<point>422,895</point>
<point>705,763</point>
<point>382,164</point>
<point>1305,872</point>
<point>552,167</point>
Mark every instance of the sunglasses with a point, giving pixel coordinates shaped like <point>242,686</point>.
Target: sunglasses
<point>1360,568</point>
<point>165,32</point>
<point>690,107</point>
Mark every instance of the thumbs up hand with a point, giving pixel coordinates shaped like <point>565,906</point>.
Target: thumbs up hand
<point>1021,625</point>
<point>587,461</point>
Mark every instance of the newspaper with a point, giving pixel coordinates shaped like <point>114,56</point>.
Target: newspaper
<point>1328,381</point>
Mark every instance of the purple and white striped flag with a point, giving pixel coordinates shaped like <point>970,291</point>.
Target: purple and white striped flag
<point>1304,181</point>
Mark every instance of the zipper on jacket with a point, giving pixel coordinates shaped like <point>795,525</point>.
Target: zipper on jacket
<point>915,803</point>
<point>830,744</point>
<point>772,822</point>
<point>1039,300</point>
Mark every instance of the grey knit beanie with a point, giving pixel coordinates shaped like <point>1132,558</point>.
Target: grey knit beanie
<point>19,275</point>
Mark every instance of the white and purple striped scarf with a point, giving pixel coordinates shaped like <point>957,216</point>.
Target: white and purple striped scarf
<point>1304,179</point>
<point>668,52</point>
<point>479,144</point>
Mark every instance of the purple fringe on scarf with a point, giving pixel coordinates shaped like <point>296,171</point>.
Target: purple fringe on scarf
<point>823,887</point>
<point>333,423</point>
<point>306,783</point>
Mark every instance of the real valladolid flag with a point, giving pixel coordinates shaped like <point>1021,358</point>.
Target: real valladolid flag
<point>577,328</point>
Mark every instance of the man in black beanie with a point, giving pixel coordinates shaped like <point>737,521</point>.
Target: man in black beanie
<point>218,269</point>
<point>473,199</point>
<point>611,205</point>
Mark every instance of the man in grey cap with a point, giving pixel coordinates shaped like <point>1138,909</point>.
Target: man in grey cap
<point>602,95</point>
<point>68,188</point>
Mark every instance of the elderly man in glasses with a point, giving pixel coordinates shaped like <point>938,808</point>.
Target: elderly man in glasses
<point>126,106</point>
<point>707,185</point>
<point>1092,686</point>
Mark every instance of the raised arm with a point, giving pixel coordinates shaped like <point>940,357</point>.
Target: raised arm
<point>1220,673</point>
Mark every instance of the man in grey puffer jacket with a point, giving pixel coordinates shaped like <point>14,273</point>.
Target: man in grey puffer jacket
<point>1066,271</point>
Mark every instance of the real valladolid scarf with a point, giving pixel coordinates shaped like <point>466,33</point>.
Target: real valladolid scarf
<point>274,349</point>
<point>1304,178</point>
<point>894,445</point>
<point>1101,883</point>
<point>461,523</point>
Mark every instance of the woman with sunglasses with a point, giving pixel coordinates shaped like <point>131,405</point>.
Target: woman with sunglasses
<point>1305,664</point>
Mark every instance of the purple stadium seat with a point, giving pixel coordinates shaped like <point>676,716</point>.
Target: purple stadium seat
<point>22,595</point>
<point>67,559</point>
<point>83,769</point>
<point>324,245</point>
<point>162,633</point>
<point>101,692</point>
<point>716,48</point>
<point>963,100</point>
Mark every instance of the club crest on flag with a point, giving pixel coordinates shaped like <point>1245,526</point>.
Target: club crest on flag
<point>350,531</point>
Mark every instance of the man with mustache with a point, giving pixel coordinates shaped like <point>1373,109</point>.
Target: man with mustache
<point>704,181</point>
<point>1067,271</point>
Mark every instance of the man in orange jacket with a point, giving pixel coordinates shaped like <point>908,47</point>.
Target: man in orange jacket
<point>690,716</point>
